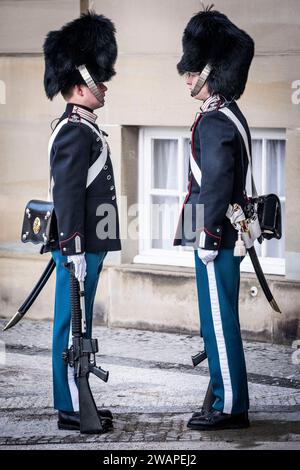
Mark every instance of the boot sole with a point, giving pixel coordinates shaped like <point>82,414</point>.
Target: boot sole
<point>217,428</point>
<point>67,427</point>
<point>72,427</point>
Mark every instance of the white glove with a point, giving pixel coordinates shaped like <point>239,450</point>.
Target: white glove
<point>207,255</point>
<point>80,266</point>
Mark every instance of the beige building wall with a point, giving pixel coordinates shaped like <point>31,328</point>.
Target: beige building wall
<point>146,91</point>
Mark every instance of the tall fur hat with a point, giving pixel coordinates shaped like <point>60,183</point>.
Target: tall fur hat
<point>88,40</point>
<point>210,37</point>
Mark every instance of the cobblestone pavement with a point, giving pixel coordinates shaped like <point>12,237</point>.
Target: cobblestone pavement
<point>152,390</point>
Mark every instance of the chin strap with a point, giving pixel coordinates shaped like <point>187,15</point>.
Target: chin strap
<point>90,82</point>
<point>201,80</point>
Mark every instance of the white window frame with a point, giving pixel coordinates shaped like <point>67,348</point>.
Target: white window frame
<point>181,257</point>
<point>270,265</point>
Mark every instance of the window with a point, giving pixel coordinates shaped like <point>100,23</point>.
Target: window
<point>163,177</point>
<point>268,160</point>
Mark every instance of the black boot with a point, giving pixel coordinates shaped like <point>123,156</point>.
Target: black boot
<point>105,413</point>
<point>215,419</point>
<point>201,412</point>
<point>207,403</point>
<point>70,420</point>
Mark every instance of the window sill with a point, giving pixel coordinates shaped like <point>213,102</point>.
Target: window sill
<point>275,266</point>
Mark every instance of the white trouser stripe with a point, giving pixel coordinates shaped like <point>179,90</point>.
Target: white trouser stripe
<point>71,380</point>
<point>219,334</point>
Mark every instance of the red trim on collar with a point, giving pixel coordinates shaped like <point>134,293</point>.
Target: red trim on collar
<point>193,135</point>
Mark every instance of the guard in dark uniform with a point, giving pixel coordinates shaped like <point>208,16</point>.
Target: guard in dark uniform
<point>216,59</point>
<point>78,59</point>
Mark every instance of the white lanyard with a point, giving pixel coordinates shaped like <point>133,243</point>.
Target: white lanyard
<point>243,133</point>
<point>195,167</point>
<point>98,164</point>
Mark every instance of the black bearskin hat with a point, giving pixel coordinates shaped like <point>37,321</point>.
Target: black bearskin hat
<point>88,40</point>
<point>210,37</point>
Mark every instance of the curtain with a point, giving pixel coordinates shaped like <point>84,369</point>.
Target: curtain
<point>256,167</point>
<point>164,164</point>
<point>275,183</point>
<point>164,208</point>
<point>164,218</point>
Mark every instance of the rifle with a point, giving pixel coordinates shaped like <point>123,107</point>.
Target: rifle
<point>81,356</point>
<point>209,397</point>
<point>199,357</point>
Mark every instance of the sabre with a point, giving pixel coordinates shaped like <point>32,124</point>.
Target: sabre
<point>262,280</point>
<point>248,232</point>
<point>32,296</point>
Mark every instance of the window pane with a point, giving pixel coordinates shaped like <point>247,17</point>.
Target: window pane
<point>275,167</point>
<point>164,167</point>
<point>256,167</point>
<point>186,158</point>
<point>164,218</point>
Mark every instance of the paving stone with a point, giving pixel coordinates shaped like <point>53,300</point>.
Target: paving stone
<point>152,391</point>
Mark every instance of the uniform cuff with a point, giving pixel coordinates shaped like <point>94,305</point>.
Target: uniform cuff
<point>210,239</point>
<point>73,245</point>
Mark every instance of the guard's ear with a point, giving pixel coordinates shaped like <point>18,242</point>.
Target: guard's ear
<point>79,89</point>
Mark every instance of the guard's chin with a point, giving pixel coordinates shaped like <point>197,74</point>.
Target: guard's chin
<point>100,104</point>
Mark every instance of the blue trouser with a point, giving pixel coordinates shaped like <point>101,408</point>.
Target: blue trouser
<point>218,292</point>
<point>64,386</point>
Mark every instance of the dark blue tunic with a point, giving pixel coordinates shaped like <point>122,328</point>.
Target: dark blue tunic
<point>88,213</point>
<point>220,153</point>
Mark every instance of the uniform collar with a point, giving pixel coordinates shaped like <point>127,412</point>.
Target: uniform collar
<point>83,111</point>
<point>211,104</point>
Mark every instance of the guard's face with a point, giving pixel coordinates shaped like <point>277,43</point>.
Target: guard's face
<point>102,89</point>
<point>83,95</point>
<point>94,103</point>
<point>191,79</point>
